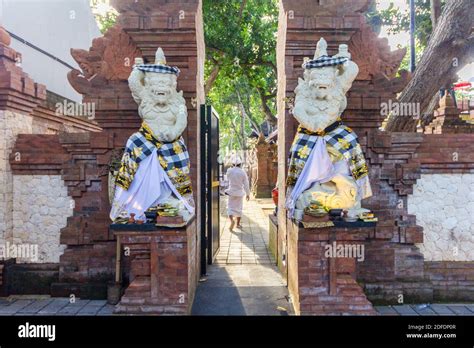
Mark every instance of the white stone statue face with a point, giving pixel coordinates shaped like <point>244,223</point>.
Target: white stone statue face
<point>160,87</point>
<point>320,97</point>
<point>160,105</point>
<point>321,81</point>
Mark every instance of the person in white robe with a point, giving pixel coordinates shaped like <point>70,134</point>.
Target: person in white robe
<point>237,190</point>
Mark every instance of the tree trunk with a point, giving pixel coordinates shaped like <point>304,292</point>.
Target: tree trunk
<point>428,115</point>
<point>266,109</point>
<point>435,12</point>
<point>242,131</point>
<point>245,114</point>
<point>449,49</point>
<point>212,78</point>
<point>237,134</point>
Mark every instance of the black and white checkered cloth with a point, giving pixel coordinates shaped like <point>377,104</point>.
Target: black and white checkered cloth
<point>175,154</point>
<point>340,137</point>
<point>324,61</point>
<point>173,157</point>
<point>158,68</point>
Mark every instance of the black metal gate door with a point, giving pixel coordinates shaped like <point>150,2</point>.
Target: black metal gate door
<point>210,175</point>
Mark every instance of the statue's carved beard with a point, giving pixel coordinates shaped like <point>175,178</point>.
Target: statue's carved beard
<point>153,106</point>
<point>327,109</point>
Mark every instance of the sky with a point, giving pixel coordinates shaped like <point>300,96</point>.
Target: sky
<point>394,39</point>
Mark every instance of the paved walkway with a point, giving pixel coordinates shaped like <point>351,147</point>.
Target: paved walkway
<point>45,305</point>
<point>427,309</point>
<point>244,279</point>
<point>232,291</point>
<point>248,245</point>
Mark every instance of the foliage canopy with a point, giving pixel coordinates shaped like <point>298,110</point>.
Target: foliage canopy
<point>240,69</point>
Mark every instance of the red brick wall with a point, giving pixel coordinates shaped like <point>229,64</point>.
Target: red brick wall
<point>164,271</point>
<point>396,160</point>
<point>267,169</point>
<point>451,280</point>
<point>320,285</point>
<point>83,159</point>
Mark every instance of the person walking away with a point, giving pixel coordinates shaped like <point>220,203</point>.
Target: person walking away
<point>238,188</point>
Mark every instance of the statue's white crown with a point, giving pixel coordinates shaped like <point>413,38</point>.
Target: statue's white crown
<point>322,59</point>
<point>159,66</point>
<point>321,49</point>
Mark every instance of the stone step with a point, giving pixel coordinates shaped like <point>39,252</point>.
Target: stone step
<point>128,300</point>
<point>139,287</point>
<point>149,309</point>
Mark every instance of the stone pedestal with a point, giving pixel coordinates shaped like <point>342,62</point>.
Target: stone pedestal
<point>163,269</point>
<point>321,285</point>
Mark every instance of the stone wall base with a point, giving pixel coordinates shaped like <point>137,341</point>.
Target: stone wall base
<point>322,285</point>
<point>443,281</point>
<point>164,270</point>
<point>89,291</point>
<point>398,292</point>
<point>27,278</point>
<point>273,236</point>
<point>451,280</point>
<point>4,270</point>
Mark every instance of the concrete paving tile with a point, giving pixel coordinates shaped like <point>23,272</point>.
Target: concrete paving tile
<point>470,307</point>
<point>386,310</point>
<point>460,310</point>
<point>14,307</point>
<point>106,310</point>
<point>5,301</point>
<point>441,309</point>
<point>422,309</point>
<point>92,308</point>
<point>405,310</point>
<point>34,307</point>
<point>55,306</point>
<point>73,308</point>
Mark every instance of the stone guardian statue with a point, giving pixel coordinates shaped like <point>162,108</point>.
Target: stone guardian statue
<point>326,162</point>
<point>155,165</point>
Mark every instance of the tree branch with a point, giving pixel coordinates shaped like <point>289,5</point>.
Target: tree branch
<point>266,109</point>
<point>244,113</point>
<point>236,133</point>
<point>212,78</point>
<point>242,7</point>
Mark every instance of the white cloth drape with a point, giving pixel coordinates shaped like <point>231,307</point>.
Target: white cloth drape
<point>151,185</point>
<point>235,205</point>
<point>318,168</point>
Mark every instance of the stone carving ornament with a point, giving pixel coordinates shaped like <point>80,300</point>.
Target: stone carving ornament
<point>155,165</point>
<point>326,161</point>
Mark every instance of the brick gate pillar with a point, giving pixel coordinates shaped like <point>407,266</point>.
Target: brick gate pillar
<point>301,24</point>
<point>88,262</point>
